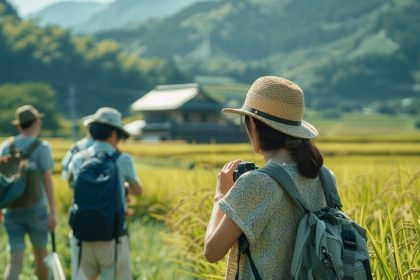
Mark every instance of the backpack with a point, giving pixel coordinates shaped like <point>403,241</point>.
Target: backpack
<point>19,185</point>
<point>97,212</point>
<point>329,245</point>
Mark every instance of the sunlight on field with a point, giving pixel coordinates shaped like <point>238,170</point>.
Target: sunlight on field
<point>168,222</point>
<point>369,187</point>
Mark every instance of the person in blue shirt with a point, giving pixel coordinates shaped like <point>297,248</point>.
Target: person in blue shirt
<point>79,146</point>
<point>97,258</point>
<point>34,213</point>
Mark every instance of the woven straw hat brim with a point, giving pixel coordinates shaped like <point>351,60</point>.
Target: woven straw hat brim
<point>305,130</point>
<point>120,128</point>
<point>38,116</point>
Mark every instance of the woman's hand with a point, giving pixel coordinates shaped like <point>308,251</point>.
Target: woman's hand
<point>225,178</point>
<point>222,232</point>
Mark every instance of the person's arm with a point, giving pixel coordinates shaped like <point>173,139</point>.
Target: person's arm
<point>52,219</point>
<point>3,159</point>
<point>221,232</point>
<point>66,162</point>
<point>134,188</point>
<point>128,172</point>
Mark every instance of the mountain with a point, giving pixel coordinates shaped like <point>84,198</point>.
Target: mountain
<point>92,73</point>
<point>67,14</point>
<point>299,39</point>
<point>6,9</point>
<point>257,29</point>
<point>122,13</point>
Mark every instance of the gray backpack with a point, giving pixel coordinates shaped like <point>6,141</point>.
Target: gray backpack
<point>329,245</point>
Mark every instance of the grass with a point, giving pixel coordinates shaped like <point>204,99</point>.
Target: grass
<point>381,193</point>
<point>151,254</point>
<point>379,183</point>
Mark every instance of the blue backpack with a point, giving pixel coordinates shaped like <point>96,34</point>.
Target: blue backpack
<point>97,213</point>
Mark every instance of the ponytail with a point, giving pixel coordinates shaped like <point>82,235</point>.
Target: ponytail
<point>308,158</point>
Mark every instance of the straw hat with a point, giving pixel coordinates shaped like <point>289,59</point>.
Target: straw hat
<point>108,116</point>
<point>278,103</point>
<point>26,114</point>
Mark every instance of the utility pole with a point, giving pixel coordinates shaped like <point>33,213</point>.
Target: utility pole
<point>72,112</point>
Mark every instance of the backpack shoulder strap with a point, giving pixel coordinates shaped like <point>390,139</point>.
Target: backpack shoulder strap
<point>84,155</point>
<point>330,188</point>
<point>75,149</point>
<point>115,155</point>
<point>32,148</point>
<point>285,181</point>
<point>12,145</point>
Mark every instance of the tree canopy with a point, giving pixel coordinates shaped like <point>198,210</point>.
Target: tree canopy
<point>100,71</point>
<point>41,96</point>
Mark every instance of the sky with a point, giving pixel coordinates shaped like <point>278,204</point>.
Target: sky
<point>26,7</point>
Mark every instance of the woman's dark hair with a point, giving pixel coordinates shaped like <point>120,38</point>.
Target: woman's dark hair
<point>307,156</point>
<point>27,125</point>
<point>101,131</point>
<point>121,135</point>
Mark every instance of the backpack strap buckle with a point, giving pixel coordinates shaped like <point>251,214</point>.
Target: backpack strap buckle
<point>329,218</point>
<point>349,239</point>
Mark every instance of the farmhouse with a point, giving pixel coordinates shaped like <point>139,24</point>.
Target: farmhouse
<point>185,112</point>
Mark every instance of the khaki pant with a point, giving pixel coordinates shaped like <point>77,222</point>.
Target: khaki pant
<point>98,260</point>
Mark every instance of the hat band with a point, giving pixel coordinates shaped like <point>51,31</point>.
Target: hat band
<point>273,118</point>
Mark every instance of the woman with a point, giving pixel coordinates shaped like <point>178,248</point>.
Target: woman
<point>255,204</point>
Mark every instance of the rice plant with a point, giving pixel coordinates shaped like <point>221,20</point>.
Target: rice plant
<point>379,186</point>
<point>385,199</point>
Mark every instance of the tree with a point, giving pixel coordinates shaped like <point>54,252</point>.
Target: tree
<point>41,96</point>
<point>102,74</point>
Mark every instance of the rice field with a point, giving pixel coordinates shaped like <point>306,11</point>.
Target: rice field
<point>379,183</point>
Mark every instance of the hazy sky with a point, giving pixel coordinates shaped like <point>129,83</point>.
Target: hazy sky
<point>26,7</point>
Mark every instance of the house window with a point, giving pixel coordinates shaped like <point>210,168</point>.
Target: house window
<point>161,117</point>
<point>213,118</point>
<point>195,117</point>
<point>204,117</point>
<point>186,117</point>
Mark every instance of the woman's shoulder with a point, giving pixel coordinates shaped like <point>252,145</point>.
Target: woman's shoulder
<point>255,178</point>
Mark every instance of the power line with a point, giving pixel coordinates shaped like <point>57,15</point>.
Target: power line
<point>73,110</point>
<point>120,90</point>
<point>31,78</point>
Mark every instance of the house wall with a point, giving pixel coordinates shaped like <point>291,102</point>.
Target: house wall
<point>182,117</point>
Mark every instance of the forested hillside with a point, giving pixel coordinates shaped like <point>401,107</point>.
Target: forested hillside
<point>126,13</point>
<point>331,47</point>
<point>348,55</point>
<point>99,72</point>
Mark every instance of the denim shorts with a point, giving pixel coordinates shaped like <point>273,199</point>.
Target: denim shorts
<point>33,222</point>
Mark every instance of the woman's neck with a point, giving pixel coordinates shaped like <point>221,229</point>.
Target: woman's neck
<point>282,155</point>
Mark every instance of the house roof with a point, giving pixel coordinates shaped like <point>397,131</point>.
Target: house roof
<point>166,97</point>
